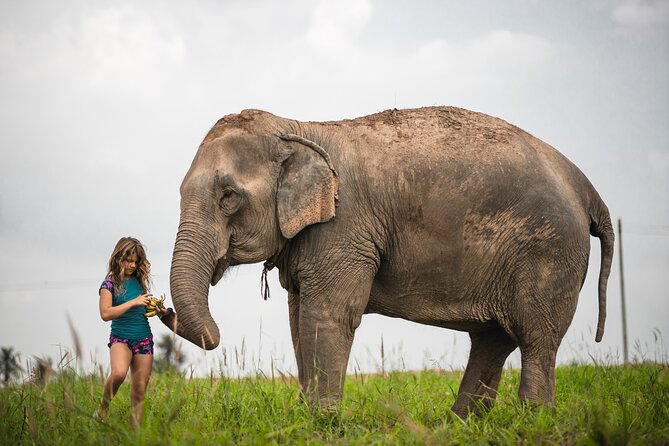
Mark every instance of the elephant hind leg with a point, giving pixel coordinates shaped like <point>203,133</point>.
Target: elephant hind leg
<point>538,345</point>
<point>537,376</point>
<point>478,388</point>
<point>539,322</point>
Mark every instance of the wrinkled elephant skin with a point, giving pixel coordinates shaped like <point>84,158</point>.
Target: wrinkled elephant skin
<point>437,215</point>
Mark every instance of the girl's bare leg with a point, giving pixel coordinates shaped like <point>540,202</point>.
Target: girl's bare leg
<point>140,372</point>
<point>120,357</point>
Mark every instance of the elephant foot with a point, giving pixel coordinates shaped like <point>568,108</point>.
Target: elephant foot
<point>326,405</point>
<point>330,407</point>
<point>460,411</point>
<point>472,404</point>
<point>318,403</point>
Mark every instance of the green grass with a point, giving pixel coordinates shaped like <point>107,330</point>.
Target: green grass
<point>596,404</point>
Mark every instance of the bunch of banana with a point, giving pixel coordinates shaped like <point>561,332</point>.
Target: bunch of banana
<point>154,305</point>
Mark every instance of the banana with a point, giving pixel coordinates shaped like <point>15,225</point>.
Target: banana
<point>154,305</point>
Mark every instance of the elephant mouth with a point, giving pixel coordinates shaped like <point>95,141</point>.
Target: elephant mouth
<point>221,266</point>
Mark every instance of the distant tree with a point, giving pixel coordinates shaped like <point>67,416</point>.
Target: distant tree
<point>9,364</point>
<point>170,356</point>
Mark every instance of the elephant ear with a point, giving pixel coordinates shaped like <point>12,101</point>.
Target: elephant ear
<point>307,189</point>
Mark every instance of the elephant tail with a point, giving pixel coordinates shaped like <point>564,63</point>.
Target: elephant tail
<point>601,227</point>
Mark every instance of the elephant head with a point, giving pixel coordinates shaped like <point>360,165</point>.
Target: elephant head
<point>252,186</point>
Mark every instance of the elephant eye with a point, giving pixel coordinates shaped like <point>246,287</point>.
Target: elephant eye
<point>230,201</point>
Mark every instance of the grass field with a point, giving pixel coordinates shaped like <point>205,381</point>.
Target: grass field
<point>596,404</point>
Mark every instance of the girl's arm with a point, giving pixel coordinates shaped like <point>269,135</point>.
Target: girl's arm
<point>109,312</point>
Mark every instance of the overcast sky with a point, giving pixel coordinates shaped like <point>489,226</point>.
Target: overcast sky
<point>103,105</point>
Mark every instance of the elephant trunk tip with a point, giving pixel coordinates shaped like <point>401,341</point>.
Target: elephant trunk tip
<point>209,341</point>
<point>207,337</point>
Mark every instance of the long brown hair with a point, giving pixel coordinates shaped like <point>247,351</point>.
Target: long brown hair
<point>124,249</point>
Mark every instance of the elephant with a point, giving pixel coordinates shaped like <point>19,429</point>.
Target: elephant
<point>438,215</point>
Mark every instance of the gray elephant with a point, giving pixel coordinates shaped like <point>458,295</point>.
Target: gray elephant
<point>437,215</point>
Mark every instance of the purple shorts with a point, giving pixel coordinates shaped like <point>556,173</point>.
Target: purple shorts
<point>141,347</point>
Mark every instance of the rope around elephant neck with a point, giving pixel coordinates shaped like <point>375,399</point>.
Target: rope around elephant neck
<point>268,266</point>
<point>264,285</point>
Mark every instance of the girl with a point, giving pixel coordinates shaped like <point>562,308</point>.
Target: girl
<point>123,297</point>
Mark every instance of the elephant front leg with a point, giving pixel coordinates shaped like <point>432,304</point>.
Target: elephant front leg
<point>328,311</point>
<point>294,316</point>
<point>325,347</point>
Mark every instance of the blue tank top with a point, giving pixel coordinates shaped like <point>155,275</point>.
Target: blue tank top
<point>132,324</point>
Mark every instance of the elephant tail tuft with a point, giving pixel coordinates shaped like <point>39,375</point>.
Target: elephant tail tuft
<point>601,227</point>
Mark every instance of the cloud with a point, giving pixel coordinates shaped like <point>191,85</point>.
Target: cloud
<point>336,25</point>
<point>81,92</point>
<point>108,49</point>
<point>641,16</point>
<point>121,45</point>
<point>499,57</point>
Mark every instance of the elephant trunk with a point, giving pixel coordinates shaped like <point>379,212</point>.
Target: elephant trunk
<point>193,264</point>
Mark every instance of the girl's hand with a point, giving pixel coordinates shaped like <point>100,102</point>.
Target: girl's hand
<point>142,301</point>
